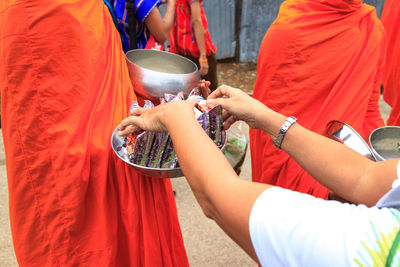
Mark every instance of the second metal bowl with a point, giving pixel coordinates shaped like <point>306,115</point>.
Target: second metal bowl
<point>385,142</point>
<point>345,134</point>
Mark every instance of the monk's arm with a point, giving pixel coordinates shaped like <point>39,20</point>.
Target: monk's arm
<point>159,26</point>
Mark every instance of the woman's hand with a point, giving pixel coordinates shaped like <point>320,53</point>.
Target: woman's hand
<point>237,105</point>
<point>154,119</point>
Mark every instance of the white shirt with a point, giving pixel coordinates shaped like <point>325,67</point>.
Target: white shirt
<point>288,228</point>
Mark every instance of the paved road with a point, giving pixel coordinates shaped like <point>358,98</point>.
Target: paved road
<point>205,243</point>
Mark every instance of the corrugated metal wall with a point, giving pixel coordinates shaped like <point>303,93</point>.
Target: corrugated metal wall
<point>221,19</point>
<point>256,17</point>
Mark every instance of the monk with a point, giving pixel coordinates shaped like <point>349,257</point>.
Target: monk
<point>391,74</point>
<point>319,61</point>
<point>64,89</point>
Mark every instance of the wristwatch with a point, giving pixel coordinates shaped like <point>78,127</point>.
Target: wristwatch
<point>281,134</point>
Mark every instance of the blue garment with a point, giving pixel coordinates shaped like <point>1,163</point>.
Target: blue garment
<point>142,10</point>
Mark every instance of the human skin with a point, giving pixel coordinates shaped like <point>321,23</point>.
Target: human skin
<point>159,26</point>
<point>198,30</point>
<point>229,200</point>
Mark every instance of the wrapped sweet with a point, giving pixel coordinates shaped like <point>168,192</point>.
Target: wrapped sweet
<point>156,150</point>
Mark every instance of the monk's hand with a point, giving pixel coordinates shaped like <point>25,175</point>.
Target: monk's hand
<point>205,88</point>
<point>237,105</point>
<point>154,119</point>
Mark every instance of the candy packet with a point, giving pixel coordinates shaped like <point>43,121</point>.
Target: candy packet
<point>155,149</point>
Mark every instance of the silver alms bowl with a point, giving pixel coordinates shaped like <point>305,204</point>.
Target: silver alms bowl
<point>385,143</point>
<point>154,73</point>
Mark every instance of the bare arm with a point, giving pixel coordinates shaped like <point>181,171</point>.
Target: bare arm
<point>222,196</point>
<point>160,27</point>
<point>198,30</point>
<point>344,171</point>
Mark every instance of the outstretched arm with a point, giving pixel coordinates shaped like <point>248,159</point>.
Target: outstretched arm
<point>344,171</point>
<point>222,196</point>
<point>160,27</point>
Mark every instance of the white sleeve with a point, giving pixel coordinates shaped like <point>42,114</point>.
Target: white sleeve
<point>396,182</point>
<point>288,228</point>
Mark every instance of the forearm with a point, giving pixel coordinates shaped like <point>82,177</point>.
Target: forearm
<point>222,196</point>
<point>344,171</point>
<point>198,30</point>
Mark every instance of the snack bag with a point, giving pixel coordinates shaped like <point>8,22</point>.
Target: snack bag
<point>157,149</point>
<point>143,144</point>
<point>216,125</point>
<point>169,158</point>
<point>236,146</point>
<point>134,105</point>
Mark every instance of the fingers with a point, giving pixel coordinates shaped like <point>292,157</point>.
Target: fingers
<point>204,88</point>
<point>212,103</point>
<point>222,91</point>
<point>207,83</point>
<point>191,101</point>
<point>138,111</point>
<point>130,125</point>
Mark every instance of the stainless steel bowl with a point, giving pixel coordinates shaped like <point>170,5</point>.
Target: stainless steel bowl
<point>345,134</point>
<point>385,143</point>
<point>117,145</point>
<point>154,73</point>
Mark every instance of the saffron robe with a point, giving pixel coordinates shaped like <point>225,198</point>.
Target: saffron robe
<point>319,61</point>
<point>391,74</point>
<point>64,89</point>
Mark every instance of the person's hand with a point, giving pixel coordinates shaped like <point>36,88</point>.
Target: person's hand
<point>203,66</point>
<point>205,88</point>
<point>154,119</point>
<point>237,105</point>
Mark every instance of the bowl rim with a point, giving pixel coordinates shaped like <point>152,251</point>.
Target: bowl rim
<point>353,131</point>
<point>376,154</point>
<point>161,52</point>
<point>158,170</point>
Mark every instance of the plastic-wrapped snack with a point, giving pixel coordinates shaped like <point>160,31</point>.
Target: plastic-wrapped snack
<point>169,97</point>
<point>143,144</point>
<point>216,125</point>
<point>194,92</point>
<point>134,105</point>
<point>148,104</point>
<point>169,159</point>
<point>201,104</point>
<point>160,141</point>
<point>204,121</point>
<point>180,96</point>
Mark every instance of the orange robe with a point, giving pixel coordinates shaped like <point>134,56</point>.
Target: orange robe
<point>320,60</point>
<point>64,89</point>
<point>391,74</point>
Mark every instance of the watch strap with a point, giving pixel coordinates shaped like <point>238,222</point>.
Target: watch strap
<point>282,132</point>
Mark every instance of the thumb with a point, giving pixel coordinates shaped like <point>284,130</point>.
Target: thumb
<point>212,103</point>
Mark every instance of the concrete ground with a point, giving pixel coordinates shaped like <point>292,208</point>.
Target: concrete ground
<point>205,243</point>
